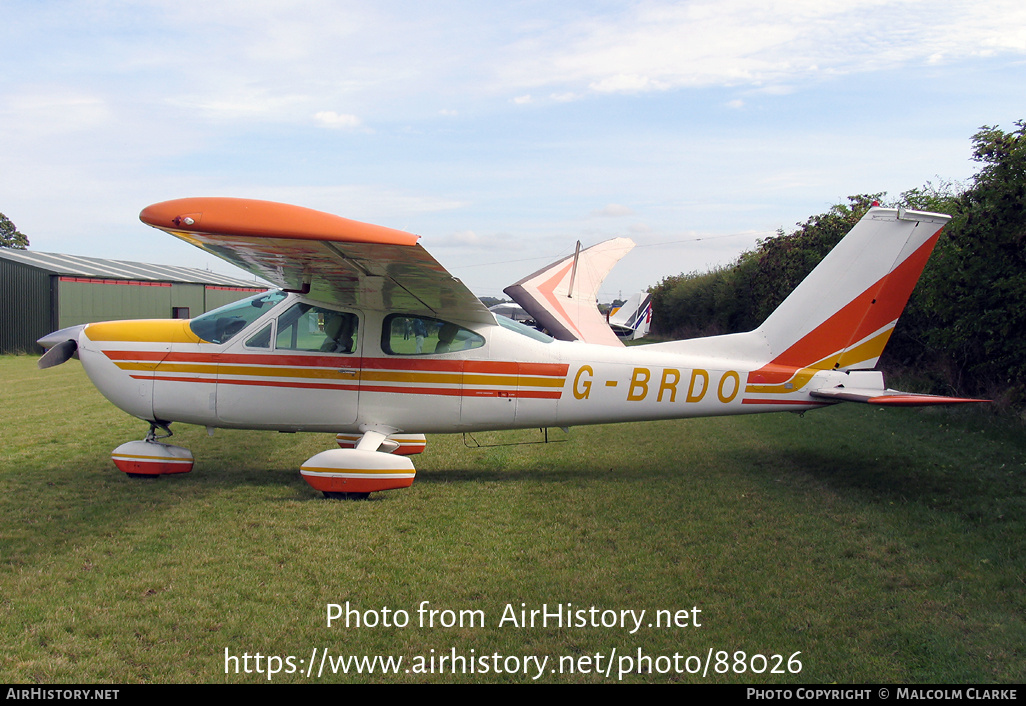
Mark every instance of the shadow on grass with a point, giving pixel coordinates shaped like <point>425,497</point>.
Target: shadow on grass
<point>981,494</point>
<point>844,454</point>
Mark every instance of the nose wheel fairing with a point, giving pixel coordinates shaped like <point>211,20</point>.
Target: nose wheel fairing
<point>151,457</point>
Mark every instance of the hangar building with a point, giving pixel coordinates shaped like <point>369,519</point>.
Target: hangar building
<point>44,292</point>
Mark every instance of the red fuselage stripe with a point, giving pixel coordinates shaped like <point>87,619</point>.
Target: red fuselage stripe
<point>319,361</point>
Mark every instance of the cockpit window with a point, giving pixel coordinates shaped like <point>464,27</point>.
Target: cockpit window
<point>523,329</point>
<point>304,327</point>
<point>423,335</point>
<point>261,339</point>
<point>220,325</point>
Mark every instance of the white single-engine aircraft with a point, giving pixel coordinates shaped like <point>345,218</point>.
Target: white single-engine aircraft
<point>370,338</point>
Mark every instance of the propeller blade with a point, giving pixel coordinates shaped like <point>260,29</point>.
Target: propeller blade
<point>58,354</point>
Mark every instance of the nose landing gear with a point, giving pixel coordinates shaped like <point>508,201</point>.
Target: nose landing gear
<point>150,458</point>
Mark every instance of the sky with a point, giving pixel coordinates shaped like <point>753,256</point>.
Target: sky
<point>500,132</point>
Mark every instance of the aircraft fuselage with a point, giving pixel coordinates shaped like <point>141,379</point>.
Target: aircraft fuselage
<point>266,377</point>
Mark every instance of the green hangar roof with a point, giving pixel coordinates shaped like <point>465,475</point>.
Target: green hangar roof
<point>99,268</point>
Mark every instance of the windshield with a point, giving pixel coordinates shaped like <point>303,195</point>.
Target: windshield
<point>220,325</point>
<point>524,330</point>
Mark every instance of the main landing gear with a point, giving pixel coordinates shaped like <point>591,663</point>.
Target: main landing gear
<point>375,460</point>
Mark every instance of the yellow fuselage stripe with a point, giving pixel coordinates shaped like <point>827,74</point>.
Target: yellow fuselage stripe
<point>367,375</point>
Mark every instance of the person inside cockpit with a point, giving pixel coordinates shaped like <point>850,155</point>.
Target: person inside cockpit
<point>445,336</point>
<point>338,329</point>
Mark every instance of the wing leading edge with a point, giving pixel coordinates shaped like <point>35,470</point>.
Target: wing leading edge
<point>330,258</point>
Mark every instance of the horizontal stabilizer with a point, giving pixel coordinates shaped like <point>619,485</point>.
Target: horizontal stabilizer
<point>888,397</point>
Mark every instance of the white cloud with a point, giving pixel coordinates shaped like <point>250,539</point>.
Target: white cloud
<point>51,111</point>
<point>658,46</point>
<point>614,210</point>
<point>389,207</point>
<point>464,241</point>
<point>329,118</point>
<point>273,61</point>
<point>627,83</point>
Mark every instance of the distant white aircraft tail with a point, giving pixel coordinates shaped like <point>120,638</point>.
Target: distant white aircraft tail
<point>634,318</point>
<point>561,296</point>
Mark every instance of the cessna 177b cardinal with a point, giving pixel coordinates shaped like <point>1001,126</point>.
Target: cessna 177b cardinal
<point>370,338</point>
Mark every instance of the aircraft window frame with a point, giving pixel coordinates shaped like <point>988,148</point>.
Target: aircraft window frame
<point>222,324</point>
<point>449,337</point>
<point>343,340</point>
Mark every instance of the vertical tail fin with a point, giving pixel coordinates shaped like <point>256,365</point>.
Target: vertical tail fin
<point>634,318</point>
<point>842,315</point>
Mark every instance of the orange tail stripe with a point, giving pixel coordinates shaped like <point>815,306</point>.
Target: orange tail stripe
<point>879,305</point>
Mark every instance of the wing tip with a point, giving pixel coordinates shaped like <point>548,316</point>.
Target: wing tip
<point>227,216</point>
<point>915,400</point>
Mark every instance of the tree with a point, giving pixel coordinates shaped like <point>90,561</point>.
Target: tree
<point>9,235</point>
<point>977,284</point>
<point>740,297</point>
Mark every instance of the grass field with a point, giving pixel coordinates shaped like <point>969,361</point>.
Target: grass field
<point>883,545</point>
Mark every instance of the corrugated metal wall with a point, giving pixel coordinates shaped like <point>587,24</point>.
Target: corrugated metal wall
<point>188,296</point>
<point>82,301</point>
<point>219,296</point>
<point>26,311</point>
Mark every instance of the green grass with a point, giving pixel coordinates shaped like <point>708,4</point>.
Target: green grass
<point>884,545</point>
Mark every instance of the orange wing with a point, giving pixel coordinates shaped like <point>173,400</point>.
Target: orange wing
<point>330,258</point>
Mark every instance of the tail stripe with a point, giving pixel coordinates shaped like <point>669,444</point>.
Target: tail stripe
<point>877,308</point>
